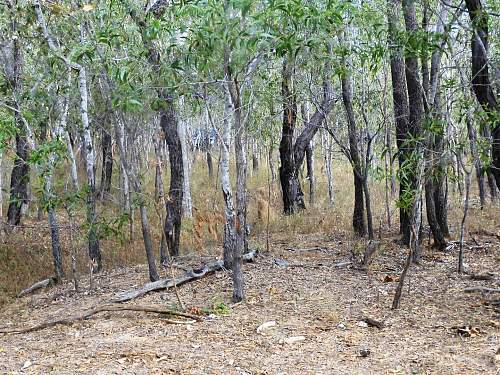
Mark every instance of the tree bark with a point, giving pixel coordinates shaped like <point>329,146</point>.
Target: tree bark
<point>229,243</point>
<point>107,162</point>
<point>310,172</point>
<point>292,195</point>
<point>173,219</point>
<point>358,216</point>
<point>481,81</point>
<point>187,203</point>
<point>401,107</point>
<point>20,176</point>
<point>415,98</point>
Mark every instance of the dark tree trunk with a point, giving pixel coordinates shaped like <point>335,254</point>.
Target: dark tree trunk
<point>148,244</point>
<point>20,176</point>
<point>481,81</point>
<point>440,197</point>
<point>210,165</point>
<point>415,98</point>
<point>56,244</point>
<point>310,172</point>
<point>311,128</point>
<point>358,217</point>
<point>107,163</point>
<point>169,126</point>
<point>400,103</point>
<point>439,241</point>
<point>173,219</point>
<point>288,177</point>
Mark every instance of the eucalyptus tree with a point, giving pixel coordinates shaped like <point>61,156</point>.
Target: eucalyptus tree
<point>164,64</point>
<point>73,61</point>
<point>227,45</point>
<point>303,30</point>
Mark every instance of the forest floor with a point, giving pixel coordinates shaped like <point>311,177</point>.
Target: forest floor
<point>439,328</point>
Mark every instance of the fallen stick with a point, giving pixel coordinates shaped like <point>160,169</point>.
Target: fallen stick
<point>36,286</point>
<point>88,313</point>
<point>481,289</point>
<point>167,283</point>
<point>317,248</point>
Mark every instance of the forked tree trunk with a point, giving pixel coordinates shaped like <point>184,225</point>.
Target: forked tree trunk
<point>358,216</point>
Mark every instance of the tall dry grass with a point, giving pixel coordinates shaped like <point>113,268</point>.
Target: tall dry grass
<point>25,252</point>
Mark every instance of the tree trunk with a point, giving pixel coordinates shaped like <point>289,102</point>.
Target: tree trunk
<point>255,157</point>
<point>241,199</point>
<point>20,175</point>
<point>107,163</point>
<point>187,203</point>
<point>146,231</point>
<point>88,153</point>
<point>358,216</point>
<point>310,172</point>
<point>210,165</point>
<point>481,81</point>
<point>287,170</point>
<point>415,98</point>
<point>88,150</point>
<point>229,244</point>
<point>173,219</point>
<point>401,110</point>
<point>311,128</point>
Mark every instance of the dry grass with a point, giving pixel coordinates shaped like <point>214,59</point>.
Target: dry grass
<point>25,254</point>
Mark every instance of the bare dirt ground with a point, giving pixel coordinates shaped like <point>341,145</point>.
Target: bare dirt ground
<point>318,301</point>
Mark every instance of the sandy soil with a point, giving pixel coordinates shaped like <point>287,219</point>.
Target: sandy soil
<point>322,303</point>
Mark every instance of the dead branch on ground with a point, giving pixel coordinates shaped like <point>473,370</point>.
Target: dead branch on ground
<point>36,286</point>
<point>167,283</point>
<point>110,308</point>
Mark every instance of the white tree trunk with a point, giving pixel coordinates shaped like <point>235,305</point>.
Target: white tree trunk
<point>187,205</point>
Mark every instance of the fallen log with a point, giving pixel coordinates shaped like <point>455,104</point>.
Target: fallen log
<point>36,286</point>
<point>190,275</point>
<point>88,313</point>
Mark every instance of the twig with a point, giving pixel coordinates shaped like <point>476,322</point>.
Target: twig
<point>88,313</point>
